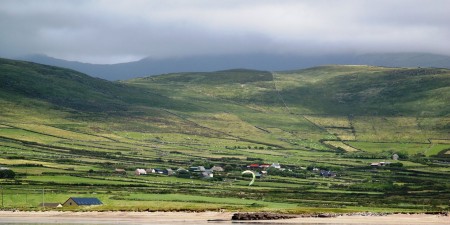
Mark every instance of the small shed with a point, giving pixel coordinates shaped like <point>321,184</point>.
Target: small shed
<point>73,201</point>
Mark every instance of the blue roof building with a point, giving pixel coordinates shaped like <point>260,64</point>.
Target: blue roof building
<point>72,201</point>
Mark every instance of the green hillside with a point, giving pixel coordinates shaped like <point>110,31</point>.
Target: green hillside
<point>67,132</point>
<point>363,90</point>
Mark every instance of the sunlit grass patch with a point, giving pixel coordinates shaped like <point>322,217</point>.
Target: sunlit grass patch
<point>329,121</point>
<point>341,145</point>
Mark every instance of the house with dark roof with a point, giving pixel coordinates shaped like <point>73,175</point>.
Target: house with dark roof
<point>168,172</point>
<point>197,169</point>
<point>258,175</point>
<point>73,201</point>
<point>325,173</point>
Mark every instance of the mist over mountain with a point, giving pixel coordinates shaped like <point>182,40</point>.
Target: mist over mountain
<point>270,62</point>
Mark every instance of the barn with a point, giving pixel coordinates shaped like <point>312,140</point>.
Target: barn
<point>72,201</point>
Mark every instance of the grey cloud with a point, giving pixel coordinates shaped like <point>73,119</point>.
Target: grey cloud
<point>111,31</point>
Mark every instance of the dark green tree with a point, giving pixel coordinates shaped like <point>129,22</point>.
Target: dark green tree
<point>7,174</point>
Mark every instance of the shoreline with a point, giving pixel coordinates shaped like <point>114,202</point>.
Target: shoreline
<point>69,217</point>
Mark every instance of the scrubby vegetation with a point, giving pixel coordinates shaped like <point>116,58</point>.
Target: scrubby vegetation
<point>347,138</point>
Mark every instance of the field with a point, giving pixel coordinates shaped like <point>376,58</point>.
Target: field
<point>64,134</point>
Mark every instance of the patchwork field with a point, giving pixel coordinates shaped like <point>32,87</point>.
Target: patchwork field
<point>64,134</point>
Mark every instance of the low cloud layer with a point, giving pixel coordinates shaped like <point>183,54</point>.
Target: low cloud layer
<point>117,31</point>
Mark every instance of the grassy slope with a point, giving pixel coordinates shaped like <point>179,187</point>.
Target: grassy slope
<point>364,90</point>
<point>60,120</point>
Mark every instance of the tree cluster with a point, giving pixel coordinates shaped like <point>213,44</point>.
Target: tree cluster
<point>7,174</point>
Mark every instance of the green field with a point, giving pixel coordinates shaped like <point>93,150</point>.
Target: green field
<point>64,133</point>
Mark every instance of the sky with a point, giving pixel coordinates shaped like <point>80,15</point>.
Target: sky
<point>112,31</point>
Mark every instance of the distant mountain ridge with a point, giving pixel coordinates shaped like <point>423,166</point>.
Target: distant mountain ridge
<point>269,62</point>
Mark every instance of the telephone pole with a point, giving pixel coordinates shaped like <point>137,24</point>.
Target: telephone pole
<point>43,204</point>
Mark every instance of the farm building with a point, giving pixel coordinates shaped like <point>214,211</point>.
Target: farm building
<point>140,172</point>
<point>217,169</point>
<point>197,169</point>
<point>264,166</point>
<point>276,165</point>
<point>325,173</point>
<point>258,175</point>
<point>168,172</point>
<point>258,166</point>
<point>395,157</point>
<point>72,201</point>
<point>120,171</point>
<point>380,164</point>
<point>253,166</point>
<point>207,174</point>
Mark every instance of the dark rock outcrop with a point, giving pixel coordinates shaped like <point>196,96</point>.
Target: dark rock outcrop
<point>260,216</point>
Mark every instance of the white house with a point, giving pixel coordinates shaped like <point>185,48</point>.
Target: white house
<point>395,157</point>
<point>276,165</point>
<point>140,172</point>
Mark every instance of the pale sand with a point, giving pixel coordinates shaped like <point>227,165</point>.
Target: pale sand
<point>54,217</point>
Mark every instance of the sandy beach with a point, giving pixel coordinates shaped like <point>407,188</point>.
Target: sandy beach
<point>132,218</point>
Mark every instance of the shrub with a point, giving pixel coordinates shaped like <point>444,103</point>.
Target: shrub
<point>7,174</point>
<point>228,168</point>
<point>15,157</point>
<point>397,164</point>
<point>183,174</point>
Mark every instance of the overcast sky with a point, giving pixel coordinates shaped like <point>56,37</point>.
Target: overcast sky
<point>118,31</point>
